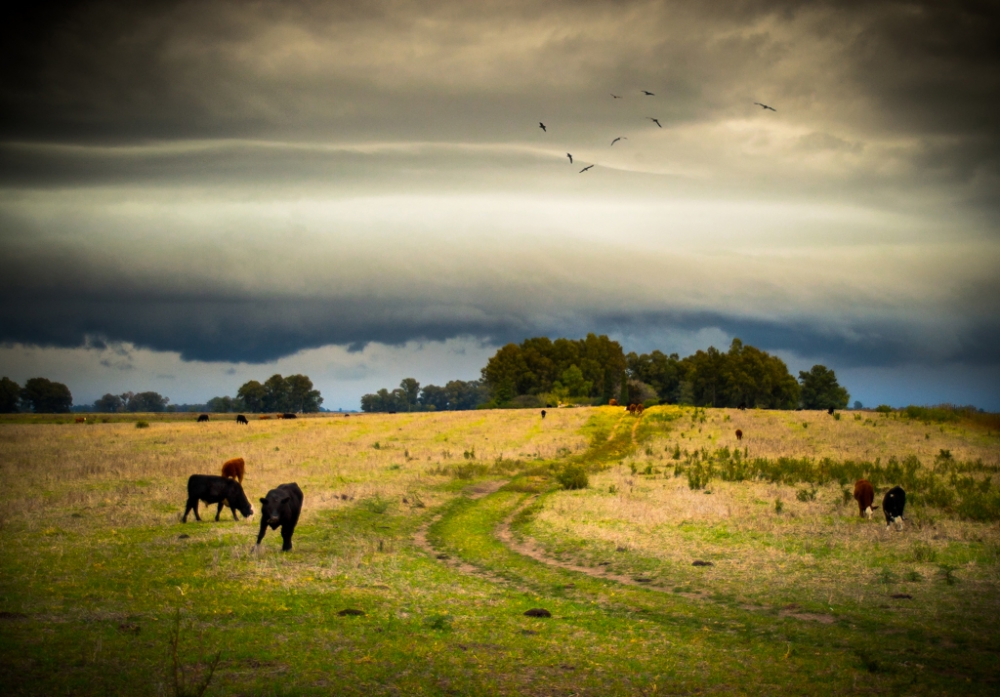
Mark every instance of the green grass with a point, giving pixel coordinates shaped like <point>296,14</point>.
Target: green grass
<point>94,572</point>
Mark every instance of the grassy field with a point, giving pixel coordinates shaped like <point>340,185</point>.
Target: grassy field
<point>438,531</point>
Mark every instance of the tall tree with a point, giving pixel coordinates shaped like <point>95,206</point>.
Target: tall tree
<point>820,389</point>
<point>46,397</point>
<point>276,394</point>
<point>148,402</point>
<point>252,394</point>
<point>10,396</point>
<point>109,404</point>
<point>301,395</point>
<point>411,390</point>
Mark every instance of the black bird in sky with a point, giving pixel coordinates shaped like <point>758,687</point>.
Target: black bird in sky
<point>542,126</point>
<point>648,93</point>
<point>656,121</point>
<point>570,158</point>
<point>765,106</point>
<point>585,169</point>
<point>615,95</point>
<point>619,138</point>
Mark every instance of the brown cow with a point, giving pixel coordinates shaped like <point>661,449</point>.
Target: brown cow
<point>613,403</point>
<point>234,469</point>
<point>631,409</point>
<point>638,409</point>
<point>864,494</point>
<point>265,416</point>
<point>739,434</point>
<point>81,419</point>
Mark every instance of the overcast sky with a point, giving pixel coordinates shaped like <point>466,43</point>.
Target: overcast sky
<point>194,194</point>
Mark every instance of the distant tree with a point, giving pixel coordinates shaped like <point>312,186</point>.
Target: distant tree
<point>301,396</point>
<point>411,390</point>
<point>148,401</point>
<point>10,396</point>
<point>276,394</point>
<point>223,405</point>
<point>253,395</point>
<point>383,401</point>
<point>661,372</point>
<point>434,397</point>
<point>639,392</point>
<point>858,405</point>
<point>109,404</point>
<point>44,396</point>
<point>820,389</point>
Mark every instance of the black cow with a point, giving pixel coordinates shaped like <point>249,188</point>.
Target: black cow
<point>240,419</point>
<point>202,417</point>
<point>281,506</point>
<point>221,490</point>
<point>893,505</point>
<point>543,413</point>
<point>288,416</point>
<point>830,411</point>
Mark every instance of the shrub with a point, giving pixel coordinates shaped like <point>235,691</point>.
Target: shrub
<point>141,424</point>
<point>376,504</point>
<point>779,505</point>
<point>806,494</point>
<point>573,477</point>
<point>883,409</point>
<point>922,552</point>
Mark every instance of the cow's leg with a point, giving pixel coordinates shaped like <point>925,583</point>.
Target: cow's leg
<point>219,512</point>
<point>263,529</point>
<point>286,536</point>
<point>187,509</point>
<point>233,509</point>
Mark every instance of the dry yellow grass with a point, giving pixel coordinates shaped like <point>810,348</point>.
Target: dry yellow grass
<point>131,476</point>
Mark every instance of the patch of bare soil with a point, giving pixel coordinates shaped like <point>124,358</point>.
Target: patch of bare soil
<point>793,612</point>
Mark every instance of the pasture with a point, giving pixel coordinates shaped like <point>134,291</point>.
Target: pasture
<point>424,538</point>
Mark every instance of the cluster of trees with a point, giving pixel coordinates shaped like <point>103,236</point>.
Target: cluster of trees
<point>294,393</point>
<point>744,375</point>
<point>457,395</point>
<point>131,402</point>
<point>540,372</point>
<point>38,395</point>
<point>589,369</point>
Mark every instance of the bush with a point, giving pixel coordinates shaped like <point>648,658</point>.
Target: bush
<point>573,477</point>
<point>883,409</point>
<point>141,424</point>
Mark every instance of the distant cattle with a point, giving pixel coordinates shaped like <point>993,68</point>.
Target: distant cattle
<point>288,416</point>
<point>639,408</point>
<point>632,408</point>
<point>240,419</point>
<point>893,504</point>
<point>202,417</point>
<point>864,494</point>
<point>742,406</point>
<point>543,413</point>
<point>281,506</point>
<point>392,411</point>
<point>830,411</point>
<point>739,434</point>
<point>220,490</point>
<point>234,469</point>
<point>613,403</point>
<point>263,417</point>
<point>80,419</point>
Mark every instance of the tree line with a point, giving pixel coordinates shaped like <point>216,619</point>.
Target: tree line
<point>39,395</point>
<point>540,372</point>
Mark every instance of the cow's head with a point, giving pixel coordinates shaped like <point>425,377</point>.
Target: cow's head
<point>272,504</point>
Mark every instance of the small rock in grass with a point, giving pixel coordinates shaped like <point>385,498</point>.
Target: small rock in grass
<point>537,612</point>
<point>443,556</point>
<point>641,579</point>
<point>620,549</point>
<point>902,596</point>
<point>128,628</point>
<point>183,536</point>
<point>604,563</point>
<point>699,562</point>
<point>529,632</point>
<point>350,612</point>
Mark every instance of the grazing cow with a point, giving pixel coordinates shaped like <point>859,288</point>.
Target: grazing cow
<point>892,506</point>
<point>240,419</point>
<point>639,409</point>
<point>739,434</point>
<point>631,409</point>
<point>281,506</point>
<point>81,419</point>
<point>742,406</point>
<point>234,469</point>
<point>864,494</point>
<point>288,416</point>
<point>263,417</point>
<point>830,411</point>
<point>220,490</point>
<point>543,413</point>
<point>202,418</point>
<point>613,403</point>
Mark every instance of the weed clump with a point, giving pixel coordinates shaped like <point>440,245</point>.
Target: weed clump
<point>573,477</point>
<point>922,552</point>
<point>779,505</point>
<point>142,424</point>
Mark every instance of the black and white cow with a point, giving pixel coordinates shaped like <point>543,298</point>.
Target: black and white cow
<point>893,505</point>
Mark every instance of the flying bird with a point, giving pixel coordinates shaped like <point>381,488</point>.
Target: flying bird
<point>648,93</point>
<point>619,138</point>
<point>542,126</point>
<point>765,106</point>
<point>656,121</point>
<point>570,158</point>
<point>615,95</point>
<point>585,169</point>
